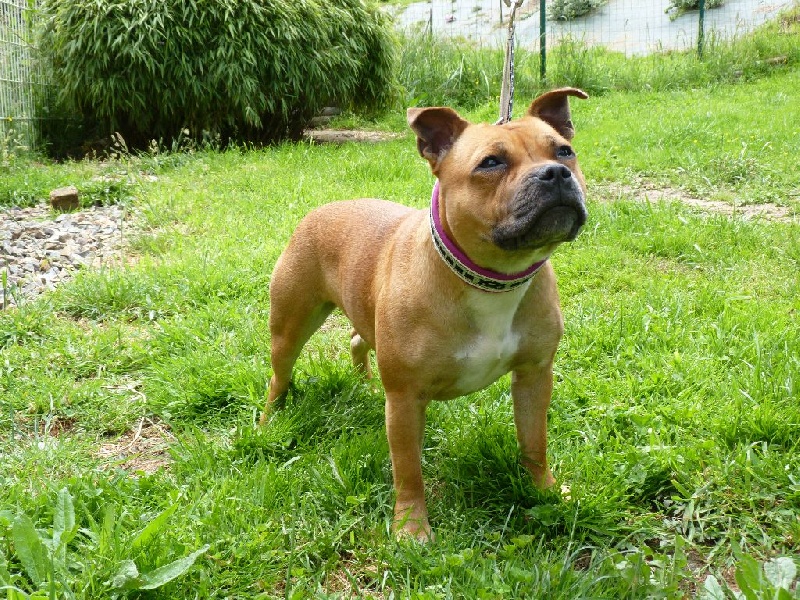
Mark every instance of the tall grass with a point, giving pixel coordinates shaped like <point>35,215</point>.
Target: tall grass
<point>437,71</point>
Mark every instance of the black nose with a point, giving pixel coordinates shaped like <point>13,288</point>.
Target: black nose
<point>554,173</point>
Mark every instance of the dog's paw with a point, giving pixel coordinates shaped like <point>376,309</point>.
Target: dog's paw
<point>411,525</point>
<point>545,481</point>
<point>419,534</point>
<point>540,474</point>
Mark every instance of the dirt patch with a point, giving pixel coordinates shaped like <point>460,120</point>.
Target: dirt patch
<point>341,136</point>
<point>142,449</point>
<point>57,426</point>
<point>645,193</point>
<point>697,565</point>
<point>769,211</point>
<point>356,576</point>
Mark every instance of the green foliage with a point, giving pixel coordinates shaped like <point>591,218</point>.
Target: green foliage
<point>250,70</point>
<point>677,7</point>
<point>775,579</point>
<point>99,184</point>
<point>441,72</point>
<point>12,146</point>
<point>435,71</point>
<point>566,10</point>
<point>23,325</point>
<point>47,561</point>
<point>42,557</point>
<point>128,578</point>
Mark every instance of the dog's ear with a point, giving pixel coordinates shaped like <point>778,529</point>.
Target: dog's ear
<point>437,130</point>
<point>553,108</point>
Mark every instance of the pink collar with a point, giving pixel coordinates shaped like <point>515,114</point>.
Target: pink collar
<point>461,265</point>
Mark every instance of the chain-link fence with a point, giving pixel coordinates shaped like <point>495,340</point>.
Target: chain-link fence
<point>628,26</point>
<point>21,83</point>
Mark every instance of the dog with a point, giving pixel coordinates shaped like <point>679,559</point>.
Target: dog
<point>451,298</point>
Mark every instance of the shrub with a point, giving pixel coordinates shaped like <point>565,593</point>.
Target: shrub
<point>677,7</point>
<point>253,70</point>
<point>566,10</point>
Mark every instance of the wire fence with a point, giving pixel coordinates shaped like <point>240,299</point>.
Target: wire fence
<point>628,26</point>
<point>21,81</point>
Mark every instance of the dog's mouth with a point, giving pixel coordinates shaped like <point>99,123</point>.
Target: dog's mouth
<point>547,209</point>
<point>553,225</point>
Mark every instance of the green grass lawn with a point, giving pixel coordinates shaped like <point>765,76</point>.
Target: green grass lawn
<point>129,458</point>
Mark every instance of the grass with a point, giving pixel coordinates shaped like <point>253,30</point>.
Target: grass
<point>440,72</point>
<point>674,423</point>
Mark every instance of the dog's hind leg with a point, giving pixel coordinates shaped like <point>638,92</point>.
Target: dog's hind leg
<point>290,327</point>
<point>299,305</point>
<point>359,350</point>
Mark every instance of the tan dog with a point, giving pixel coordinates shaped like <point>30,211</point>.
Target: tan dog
<point>446,298</point>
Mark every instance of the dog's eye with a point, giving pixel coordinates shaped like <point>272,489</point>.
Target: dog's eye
<point>565,152</point>
<point>491,162</point>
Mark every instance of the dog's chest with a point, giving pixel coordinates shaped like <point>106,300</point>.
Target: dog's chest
<point>491,341</point>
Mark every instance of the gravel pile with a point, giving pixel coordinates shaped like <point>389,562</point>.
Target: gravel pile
<point>40,249</point>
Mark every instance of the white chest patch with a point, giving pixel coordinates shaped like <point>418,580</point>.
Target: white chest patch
<point>486,353</point>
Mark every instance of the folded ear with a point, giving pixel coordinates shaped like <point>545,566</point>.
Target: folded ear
<point>553,108</point>
<point>437,130</point>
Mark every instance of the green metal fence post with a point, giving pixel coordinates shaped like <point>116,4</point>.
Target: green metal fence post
<point>542,41</point>
<point>701,33</point>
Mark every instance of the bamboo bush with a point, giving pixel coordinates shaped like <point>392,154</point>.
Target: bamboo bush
<point>240,69</point>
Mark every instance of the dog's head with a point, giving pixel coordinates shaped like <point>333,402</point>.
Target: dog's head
<point>509,193</point>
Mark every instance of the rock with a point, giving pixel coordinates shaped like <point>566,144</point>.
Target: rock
<point>65,199</point>
<point>319,122</point>
<point>39,250</point>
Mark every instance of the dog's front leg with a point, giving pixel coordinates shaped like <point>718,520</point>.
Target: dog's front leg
<point>531,389</point>
<point>405,428</point>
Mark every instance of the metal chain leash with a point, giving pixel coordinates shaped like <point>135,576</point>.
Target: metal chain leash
<point>507,91</point>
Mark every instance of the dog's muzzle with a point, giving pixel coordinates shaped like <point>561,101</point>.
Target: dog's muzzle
<point>548,208</point>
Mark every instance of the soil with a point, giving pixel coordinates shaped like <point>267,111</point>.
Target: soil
<point>144,449</point>
<point>340,136</point>
<point>645,193</point>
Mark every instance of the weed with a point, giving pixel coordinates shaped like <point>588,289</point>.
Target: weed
<point>49,560</point>
<point>775,578</point>
<point>11,147</point>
